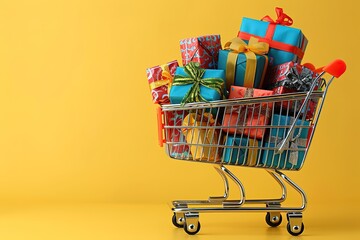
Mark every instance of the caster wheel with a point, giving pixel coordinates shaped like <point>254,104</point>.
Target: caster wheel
<point>178,222</point>
<point>296,230</point>
<point>273,220</point>
<point>191,229</point>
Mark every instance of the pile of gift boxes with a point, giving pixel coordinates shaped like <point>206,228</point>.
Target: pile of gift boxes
<point>262,60</point>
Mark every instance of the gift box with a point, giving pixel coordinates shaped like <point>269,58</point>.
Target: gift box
<point>203,50</point>
<point>292,77</point>
<point>201,136</point>
<point>177,146</point>
<point>292,158</point>
<point>244,64</point>
<point>194,84</point>
<point>159,78</point>
<point>286,43</point>
<point>240,151</point>
<point>247,115</point>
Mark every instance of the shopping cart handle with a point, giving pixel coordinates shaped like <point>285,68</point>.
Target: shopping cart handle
<point>336,68</point>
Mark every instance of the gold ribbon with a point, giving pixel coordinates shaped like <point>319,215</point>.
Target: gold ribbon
<point>166,78</point>
<point>250,50</point>
<point>252,154</point>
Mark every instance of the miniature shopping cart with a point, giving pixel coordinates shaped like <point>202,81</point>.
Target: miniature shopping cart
<point>202,132</point>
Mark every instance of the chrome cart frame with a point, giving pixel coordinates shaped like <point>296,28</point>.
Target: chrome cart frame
<point>205,139</point>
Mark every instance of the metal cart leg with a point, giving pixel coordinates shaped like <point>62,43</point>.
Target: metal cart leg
<point>186,213</point>
<point>226,187</point>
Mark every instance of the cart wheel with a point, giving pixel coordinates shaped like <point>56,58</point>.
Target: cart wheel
<point>191,229</point>
<point>274,219</point>
<point>178,221</point>
<point>295,230</point>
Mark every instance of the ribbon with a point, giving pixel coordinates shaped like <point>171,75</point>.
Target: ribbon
<point>282,18</point>
<point>195,74</point>
<point>252,153</point>
<point>250,50</point>
<point>166,78</point>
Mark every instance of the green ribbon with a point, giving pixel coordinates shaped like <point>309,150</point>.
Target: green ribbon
<point>195,74</point>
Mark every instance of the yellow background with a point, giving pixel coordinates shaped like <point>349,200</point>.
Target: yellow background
<point>77,123</point>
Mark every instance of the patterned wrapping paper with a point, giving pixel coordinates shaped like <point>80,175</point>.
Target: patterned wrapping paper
<point>203,50</point>
<point>292,77</point>
<point>286,43</point>
<point>254,115</point>
<point>160,78</point>
<point>179,149</point>
<point>238,155</point>
<point>288,159</point>
<point>202,141</point>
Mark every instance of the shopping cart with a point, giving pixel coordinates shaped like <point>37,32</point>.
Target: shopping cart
<point>201,132</point>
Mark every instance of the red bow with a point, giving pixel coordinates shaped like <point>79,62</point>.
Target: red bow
<point>282,18</point>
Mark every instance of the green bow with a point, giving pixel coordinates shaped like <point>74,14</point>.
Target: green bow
<point>195,74</point>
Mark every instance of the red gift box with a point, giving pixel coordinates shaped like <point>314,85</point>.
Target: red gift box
<point>160,78</point>
<point>204,50</point>
<point>248,115</point>
<point>276,80</point>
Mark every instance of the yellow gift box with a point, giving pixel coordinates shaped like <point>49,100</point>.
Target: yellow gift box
<point>201,136</point>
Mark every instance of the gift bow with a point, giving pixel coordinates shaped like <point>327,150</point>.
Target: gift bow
<point>195,74</point>
<point>236,46</point>
<point>166,78</point>
<point>299,81</point>
<point>282,18</point>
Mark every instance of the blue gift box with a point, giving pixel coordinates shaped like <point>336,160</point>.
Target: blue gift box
<point>286,43</point>
<point>177,93</point>
<point>241,154</point>
<point>261,66</point>
<point>288,159</point>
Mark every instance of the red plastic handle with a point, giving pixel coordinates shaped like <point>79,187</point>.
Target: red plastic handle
<point>336,68</point>
<point>160,114</point>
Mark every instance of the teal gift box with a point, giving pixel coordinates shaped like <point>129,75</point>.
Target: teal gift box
<point>288,159</point>
<point>240,68</point>
<point>237,151</point>
<point>178,92</point>
<point>286,43</point>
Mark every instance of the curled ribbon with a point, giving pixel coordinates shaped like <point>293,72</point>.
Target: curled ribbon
<point>236,46</point>
<point>195,74</point>
<point>282,18</point>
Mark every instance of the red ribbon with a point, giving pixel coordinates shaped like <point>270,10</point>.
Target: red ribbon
<point>282,18</point>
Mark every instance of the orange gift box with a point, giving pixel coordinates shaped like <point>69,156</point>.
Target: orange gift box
<point>237,118</point>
